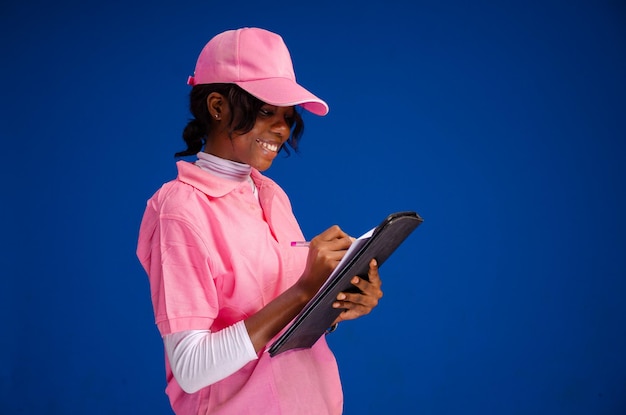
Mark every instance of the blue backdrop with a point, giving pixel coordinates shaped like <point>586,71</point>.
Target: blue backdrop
<point>501,123</point>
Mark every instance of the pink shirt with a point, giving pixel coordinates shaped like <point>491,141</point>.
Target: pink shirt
<point>214,256</point>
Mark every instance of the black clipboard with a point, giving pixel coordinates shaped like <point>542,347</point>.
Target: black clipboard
<point>317,316</point>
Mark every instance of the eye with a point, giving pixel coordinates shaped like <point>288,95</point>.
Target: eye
<point>290,119</point>
<point>266,112</point>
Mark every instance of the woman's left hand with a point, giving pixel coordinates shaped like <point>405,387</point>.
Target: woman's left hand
<point>360,304</point>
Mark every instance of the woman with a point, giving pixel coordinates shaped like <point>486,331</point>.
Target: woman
<point>215,243</point>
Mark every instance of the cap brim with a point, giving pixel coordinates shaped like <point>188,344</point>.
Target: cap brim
<point>284,92</point>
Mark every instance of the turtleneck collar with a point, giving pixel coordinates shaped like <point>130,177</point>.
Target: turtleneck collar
<point>226,169</point>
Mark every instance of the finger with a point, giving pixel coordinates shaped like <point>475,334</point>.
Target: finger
<point>336,244</point>
<point>333,256</point>
<point>355,305</point>
<point>373,275</point>
<point>357,300</point>
<point>340,244</point>
<point>352,310</point>
<point>369,288</point>
<point>334,232</point>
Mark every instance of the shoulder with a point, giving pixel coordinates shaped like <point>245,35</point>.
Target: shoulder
<point>177,198</point>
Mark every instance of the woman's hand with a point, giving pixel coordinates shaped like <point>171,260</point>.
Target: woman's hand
<point>360,304</point>
<point>325,252</point>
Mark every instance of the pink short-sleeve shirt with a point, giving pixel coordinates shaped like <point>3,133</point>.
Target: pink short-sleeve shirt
<point>215,255</point>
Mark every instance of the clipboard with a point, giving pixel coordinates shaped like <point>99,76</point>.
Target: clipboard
<point>318,315</point>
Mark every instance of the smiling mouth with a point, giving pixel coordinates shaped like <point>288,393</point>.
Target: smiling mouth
<point>268,146</point>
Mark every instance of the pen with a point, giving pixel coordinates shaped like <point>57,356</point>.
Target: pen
<point>301,244</point>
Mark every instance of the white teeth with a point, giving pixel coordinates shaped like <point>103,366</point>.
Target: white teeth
<point>268,146</point>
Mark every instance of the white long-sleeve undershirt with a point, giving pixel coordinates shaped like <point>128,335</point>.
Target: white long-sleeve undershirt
<point>199,358</point>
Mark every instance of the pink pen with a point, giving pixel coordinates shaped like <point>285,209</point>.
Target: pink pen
<point>300,244</point>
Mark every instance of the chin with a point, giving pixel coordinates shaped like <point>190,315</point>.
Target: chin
<point>262,164</point>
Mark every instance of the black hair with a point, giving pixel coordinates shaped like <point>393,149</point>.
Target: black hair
<point>244,109</point>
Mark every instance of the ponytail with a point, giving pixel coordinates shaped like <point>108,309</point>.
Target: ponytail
<point>194,135</point>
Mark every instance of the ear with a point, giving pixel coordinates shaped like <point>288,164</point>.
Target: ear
<point>216,104</point>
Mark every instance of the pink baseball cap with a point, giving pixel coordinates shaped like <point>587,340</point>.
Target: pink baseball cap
<point>259,62</point>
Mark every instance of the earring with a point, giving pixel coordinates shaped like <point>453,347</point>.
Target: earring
<point>217,117</point>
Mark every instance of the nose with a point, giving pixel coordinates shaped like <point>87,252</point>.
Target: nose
<point>281,128</point>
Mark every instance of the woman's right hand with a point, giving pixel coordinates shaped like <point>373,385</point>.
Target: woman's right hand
<point>325,252</point>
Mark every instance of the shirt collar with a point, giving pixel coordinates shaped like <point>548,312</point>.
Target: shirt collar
<point>215,186</point>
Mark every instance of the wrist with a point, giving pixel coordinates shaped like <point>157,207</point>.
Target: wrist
<point>302,292</point>
<point>305,288</point>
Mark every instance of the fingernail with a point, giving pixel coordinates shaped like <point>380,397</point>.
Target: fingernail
<point>335,305</point>
<point>341,296</point>
<point>355,280</point>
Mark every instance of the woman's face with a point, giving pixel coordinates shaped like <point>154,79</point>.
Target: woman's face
<point>259,146</point>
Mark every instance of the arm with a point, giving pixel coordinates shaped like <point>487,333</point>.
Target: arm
<point>199,358</point>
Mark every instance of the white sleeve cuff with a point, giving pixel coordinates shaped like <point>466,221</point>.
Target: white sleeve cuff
<point>199,358</point>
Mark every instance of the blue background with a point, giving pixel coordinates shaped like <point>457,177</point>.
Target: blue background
<point>502,123</point>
